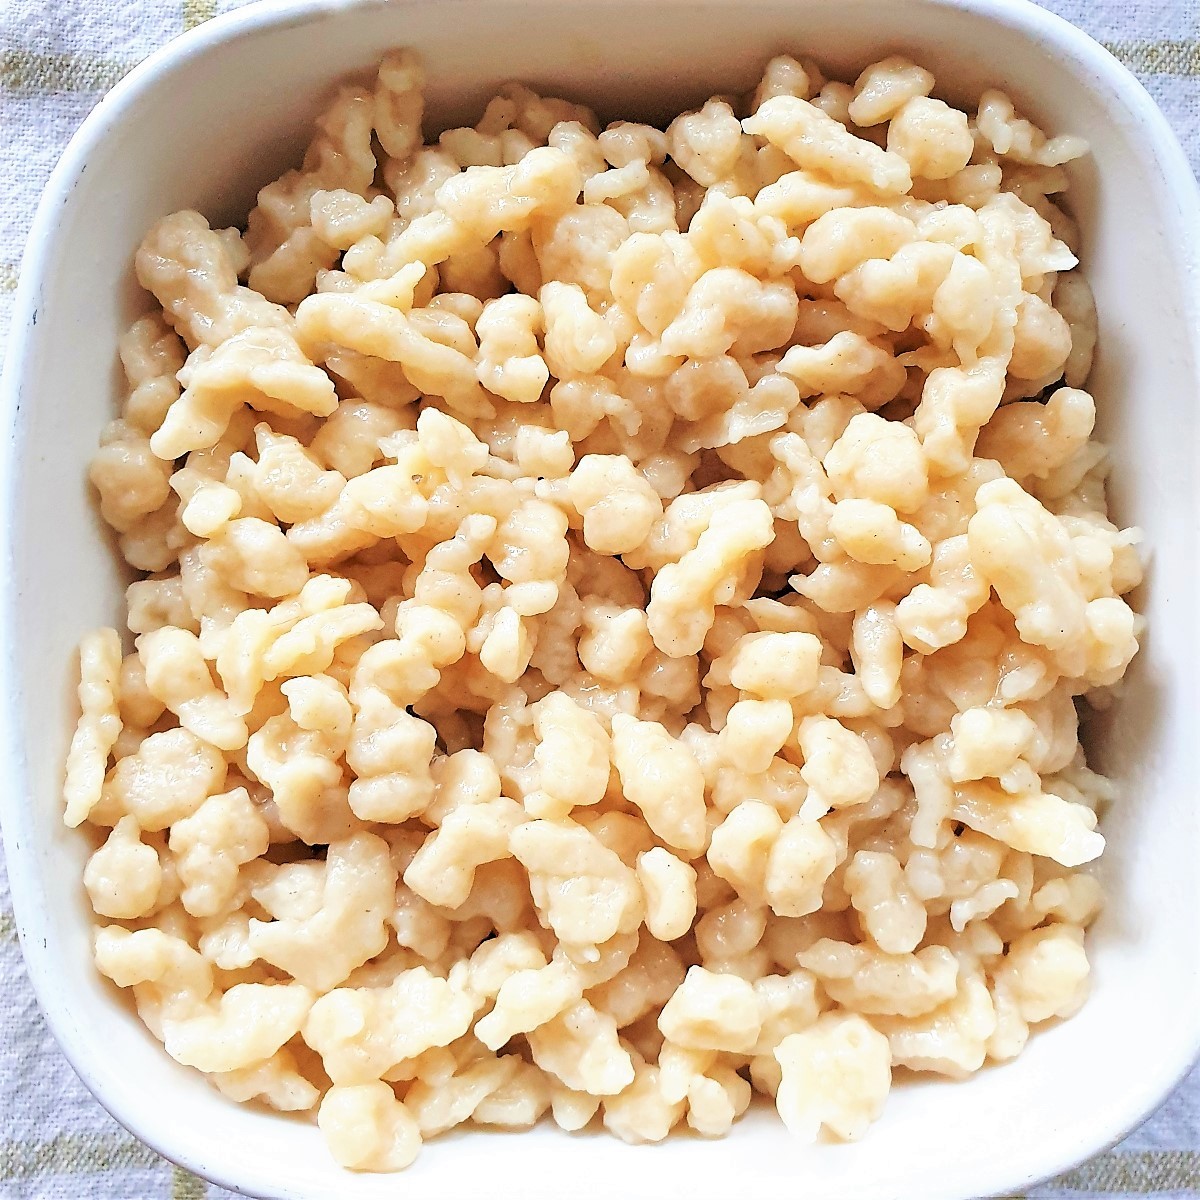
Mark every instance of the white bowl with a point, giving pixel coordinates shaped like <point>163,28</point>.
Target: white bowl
<point>219,112</point>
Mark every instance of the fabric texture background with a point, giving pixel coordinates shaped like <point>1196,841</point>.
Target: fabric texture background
<point>57,58</point>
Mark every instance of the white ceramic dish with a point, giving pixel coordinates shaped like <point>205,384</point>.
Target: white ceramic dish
<point>203,124</point>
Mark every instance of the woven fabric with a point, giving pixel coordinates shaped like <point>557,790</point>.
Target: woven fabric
<point>57,58</point>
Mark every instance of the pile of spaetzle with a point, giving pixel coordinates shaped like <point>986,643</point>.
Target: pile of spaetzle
<point>610,612</point>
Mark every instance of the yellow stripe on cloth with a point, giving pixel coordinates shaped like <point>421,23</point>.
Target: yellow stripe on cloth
<point>185,1186</point>
<point>1136,1172</point>
<point>30,74</point>
<point>1178,57</point>
<point>196,12</point>
<point>1127,1173</point>
<point>72,1154</point>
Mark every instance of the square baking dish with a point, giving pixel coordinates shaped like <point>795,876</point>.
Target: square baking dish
<point>216,114</point>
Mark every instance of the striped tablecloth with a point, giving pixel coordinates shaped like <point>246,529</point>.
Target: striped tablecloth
<point>57,58</point>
